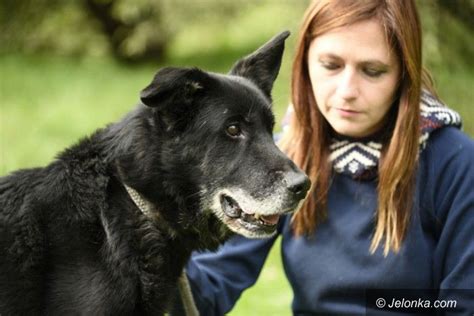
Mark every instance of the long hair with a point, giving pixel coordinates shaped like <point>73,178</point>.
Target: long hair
<point>308,139</point>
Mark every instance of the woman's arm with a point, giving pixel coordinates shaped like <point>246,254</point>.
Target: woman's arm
<point>218,279</point>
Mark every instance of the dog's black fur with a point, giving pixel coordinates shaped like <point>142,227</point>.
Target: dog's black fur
<point>72,241</point>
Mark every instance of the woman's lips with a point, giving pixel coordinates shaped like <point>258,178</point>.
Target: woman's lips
<point>347,112</point>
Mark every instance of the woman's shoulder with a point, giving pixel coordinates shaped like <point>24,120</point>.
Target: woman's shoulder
<point>447,160</point>
<point>448,143</point>
<point>446,175</point>
<point>447,167</point>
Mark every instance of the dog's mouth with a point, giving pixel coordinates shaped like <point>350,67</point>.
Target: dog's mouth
<point>248,219</point>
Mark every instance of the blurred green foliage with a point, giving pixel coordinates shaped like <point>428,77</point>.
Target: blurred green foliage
<point>59,80</point>
<point>130,30</point>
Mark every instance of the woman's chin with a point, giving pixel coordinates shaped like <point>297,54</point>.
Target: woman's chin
<point>352,130</point>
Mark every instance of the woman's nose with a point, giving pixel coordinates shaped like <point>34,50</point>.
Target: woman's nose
<point>348,86</point>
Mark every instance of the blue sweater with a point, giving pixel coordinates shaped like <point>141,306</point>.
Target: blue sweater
<point>330,271</point>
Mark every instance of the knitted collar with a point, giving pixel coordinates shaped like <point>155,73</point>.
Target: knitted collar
<point>359,159</point>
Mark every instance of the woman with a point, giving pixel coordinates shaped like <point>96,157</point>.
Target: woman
<point>392,203</point>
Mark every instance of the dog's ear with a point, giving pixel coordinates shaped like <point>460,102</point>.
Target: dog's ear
<point>263,65</point>
<point>174,87</point>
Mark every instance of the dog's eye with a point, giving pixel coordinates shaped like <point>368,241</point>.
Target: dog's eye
<point>234,130</point>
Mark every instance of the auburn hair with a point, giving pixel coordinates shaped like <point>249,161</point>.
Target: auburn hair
<point>308,137</point>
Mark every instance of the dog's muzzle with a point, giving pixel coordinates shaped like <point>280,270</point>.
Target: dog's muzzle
<point>258,218</point>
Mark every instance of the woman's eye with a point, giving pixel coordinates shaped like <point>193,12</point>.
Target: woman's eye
<point>374,73</point>
<point>234,130</point>
<point>330,65</point>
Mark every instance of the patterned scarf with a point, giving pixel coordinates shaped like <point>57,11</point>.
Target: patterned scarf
<point>359,159</point>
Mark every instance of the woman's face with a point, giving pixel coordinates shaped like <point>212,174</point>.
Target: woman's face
<point>354,75</point>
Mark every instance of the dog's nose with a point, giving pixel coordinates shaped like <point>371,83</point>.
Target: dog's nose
<point>298,184</point>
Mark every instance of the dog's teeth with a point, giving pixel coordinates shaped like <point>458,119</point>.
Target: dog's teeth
<point>257,216</point>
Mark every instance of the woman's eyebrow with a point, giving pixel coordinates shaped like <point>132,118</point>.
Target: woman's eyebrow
<point>329,56</point>
<point>374,63</point>
<point>371,62</point>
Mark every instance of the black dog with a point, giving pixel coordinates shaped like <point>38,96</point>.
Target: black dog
<point>107,228</point>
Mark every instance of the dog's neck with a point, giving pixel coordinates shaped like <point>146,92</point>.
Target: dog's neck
<point>167,218</point>
<point>149,210</point>
<point>183,283</point>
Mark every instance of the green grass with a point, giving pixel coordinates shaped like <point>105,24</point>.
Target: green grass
<point>48,102</point>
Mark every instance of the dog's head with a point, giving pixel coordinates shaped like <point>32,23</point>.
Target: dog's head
<point>216,142</point>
